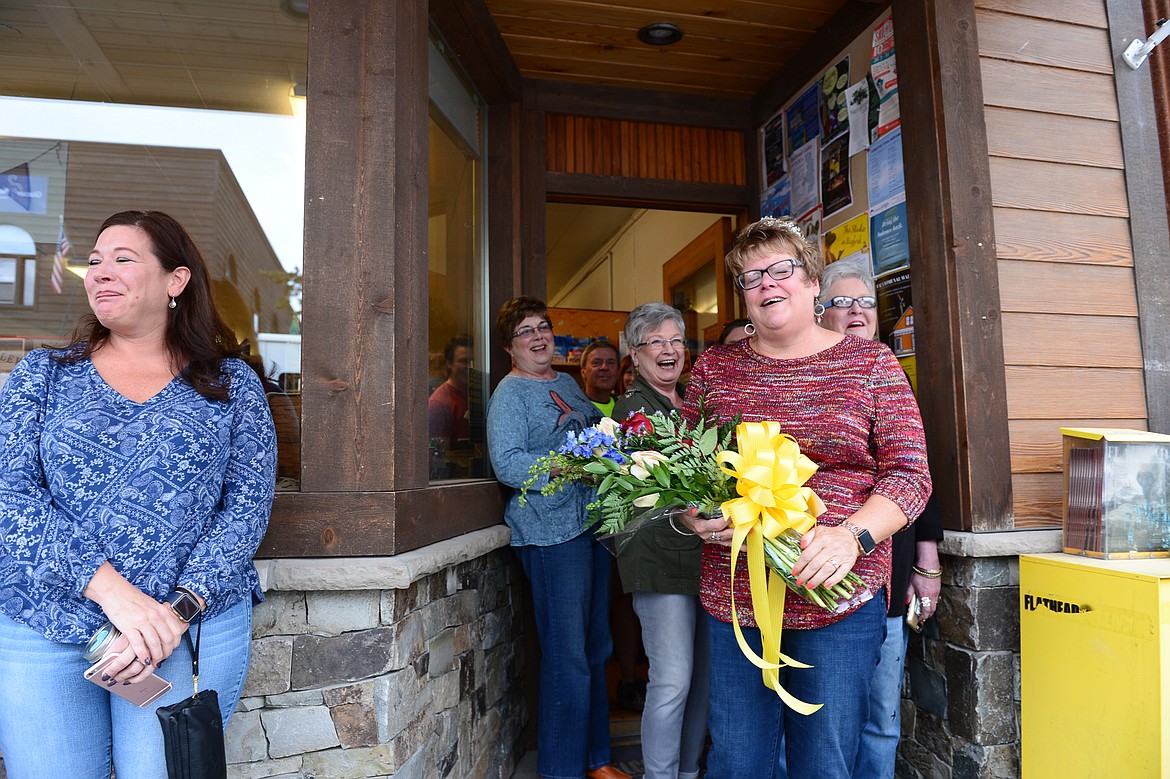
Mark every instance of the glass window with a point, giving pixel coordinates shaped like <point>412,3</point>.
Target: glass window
<point>192,109</point>
<point>457,332</point>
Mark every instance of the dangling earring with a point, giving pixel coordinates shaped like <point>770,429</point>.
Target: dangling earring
<point>749,329</point>
<point>172,304</point>
<point>819,311</point>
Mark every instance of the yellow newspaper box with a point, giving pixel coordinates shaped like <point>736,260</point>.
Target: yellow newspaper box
<point>1094,667</point>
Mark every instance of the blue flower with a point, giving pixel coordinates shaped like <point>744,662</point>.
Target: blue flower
<point>615,455</point>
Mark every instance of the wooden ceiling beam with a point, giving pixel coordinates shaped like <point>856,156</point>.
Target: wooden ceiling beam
<point>562,97</point>
<point>475,41</point>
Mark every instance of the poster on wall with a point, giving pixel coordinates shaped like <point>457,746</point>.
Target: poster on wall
<point>889,239</point>
<point>896,318</point>
<point>885,76</point>
<point>857,103</point>
<point>805,177</point>
<point>772,149</point>
<point>777,200</point>
<point>836,189</point>
<point>884,174</point>
<point>803,119</point>
<point>834,111</point>
<point>849,241</point>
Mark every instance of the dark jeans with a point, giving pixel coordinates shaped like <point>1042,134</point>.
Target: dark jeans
<point>570,593</point>
<point>750,725</point>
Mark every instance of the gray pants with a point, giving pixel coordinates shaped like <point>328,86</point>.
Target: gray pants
<point>674,721</point>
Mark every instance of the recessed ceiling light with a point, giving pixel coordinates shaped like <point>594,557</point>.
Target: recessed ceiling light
<point>660,34</point>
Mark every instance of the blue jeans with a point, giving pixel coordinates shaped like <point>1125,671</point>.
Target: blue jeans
<point>55,723</point>
<point>750,724</point>
<point>674,720</point>
<point>570,594</point>
<point>878,751</point>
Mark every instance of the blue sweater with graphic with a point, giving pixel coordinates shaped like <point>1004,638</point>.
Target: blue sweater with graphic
<point>528,418</point>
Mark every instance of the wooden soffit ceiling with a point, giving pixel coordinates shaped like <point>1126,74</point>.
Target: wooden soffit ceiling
<point>729,48</point>
<point>247,54</point>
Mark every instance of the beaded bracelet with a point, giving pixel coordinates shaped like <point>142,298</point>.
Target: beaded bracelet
<point>929,573</point>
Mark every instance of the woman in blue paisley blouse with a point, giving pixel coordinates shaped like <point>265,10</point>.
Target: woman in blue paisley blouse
<point>137,468</point>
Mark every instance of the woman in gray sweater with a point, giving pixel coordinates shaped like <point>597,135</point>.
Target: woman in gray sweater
<point>530,413</point>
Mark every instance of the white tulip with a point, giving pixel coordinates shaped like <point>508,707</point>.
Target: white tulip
<point>609,426</point>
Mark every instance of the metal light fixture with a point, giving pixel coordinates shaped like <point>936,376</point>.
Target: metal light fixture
<point>297,8</point>
<point>297,98</point>
<point>660,34</point>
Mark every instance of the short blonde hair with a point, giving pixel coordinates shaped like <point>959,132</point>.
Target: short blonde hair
<point>774,236</point>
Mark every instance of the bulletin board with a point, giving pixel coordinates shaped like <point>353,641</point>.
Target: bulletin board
<point>832,161</point>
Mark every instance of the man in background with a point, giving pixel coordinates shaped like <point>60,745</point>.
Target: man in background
<point>448,420</point>
<point>599,373</point>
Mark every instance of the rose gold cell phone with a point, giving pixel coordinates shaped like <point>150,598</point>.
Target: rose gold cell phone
<point>141,694</point>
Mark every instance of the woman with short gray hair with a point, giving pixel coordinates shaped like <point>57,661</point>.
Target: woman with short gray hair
<point>661,568</point>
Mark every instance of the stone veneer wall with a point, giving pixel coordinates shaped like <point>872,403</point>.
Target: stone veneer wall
<point>403,666</point>
<point>961,697</point>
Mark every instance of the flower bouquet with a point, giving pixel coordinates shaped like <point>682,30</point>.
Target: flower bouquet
<point>648,469</point>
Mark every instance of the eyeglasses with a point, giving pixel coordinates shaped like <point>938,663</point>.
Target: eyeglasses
<point>544,328</point>
<point>660,344</point>
<point>750,279</point>
<point>844,301</point>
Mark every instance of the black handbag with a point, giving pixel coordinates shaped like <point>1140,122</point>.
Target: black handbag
<point>193,730</point>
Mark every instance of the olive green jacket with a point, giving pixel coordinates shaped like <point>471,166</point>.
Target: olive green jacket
<point>657,558</point>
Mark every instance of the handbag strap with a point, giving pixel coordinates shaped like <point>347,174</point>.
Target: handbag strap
<point>195,651</point>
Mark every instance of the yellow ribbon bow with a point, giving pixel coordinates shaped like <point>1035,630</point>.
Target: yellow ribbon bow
<point>771,472</point>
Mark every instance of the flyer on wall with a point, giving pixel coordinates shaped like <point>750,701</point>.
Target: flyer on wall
<point>777,200</point>
<point>885,177</point>
<point>802,119</point>
<point>772,149</point>
<point>804,176</point>
<point>889,239</point>
<point>836,189</point>
<point>857,102</point>
<point>810,225</point>
<point>885,76</point>
<point>896,319</point>
<point>849,241</point>
<point>834,111</point>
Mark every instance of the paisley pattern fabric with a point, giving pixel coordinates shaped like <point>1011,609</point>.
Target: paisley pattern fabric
<point>173,491</point>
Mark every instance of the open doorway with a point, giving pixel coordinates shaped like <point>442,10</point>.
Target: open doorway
<point>610,259</point>
<point>603,261</point>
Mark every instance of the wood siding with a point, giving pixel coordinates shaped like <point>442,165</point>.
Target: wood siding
<point>198,188</point>
<point>1072,346</point>
<point>599,146</point>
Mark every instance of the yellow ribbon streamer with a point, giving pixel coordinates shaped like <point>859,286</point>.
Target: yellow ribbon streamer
<point>771,472</point>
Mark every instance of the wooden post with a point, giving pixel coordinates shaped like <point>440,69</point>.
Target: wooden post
<point>958,332</point>
<point>365,303</point>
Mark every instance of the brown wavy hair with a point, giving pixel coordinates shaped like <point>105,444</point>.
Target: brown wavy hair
<point>196,337</point>
<point>516,311</point>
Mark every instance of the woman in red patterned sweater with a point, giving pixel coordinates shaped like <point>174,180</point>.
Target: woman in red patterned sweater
<point>847,403</point>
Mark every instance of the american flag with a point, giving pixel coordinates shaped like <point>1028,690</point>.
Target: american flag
<point>60,258</point>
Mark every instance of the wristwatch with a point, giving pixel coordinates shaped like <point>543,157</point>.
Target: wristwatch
<point>184,603</point>
<point>865,541</point>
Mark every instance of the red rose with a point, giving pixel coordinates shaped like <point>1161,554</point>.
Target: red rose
<point>637,424</point>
